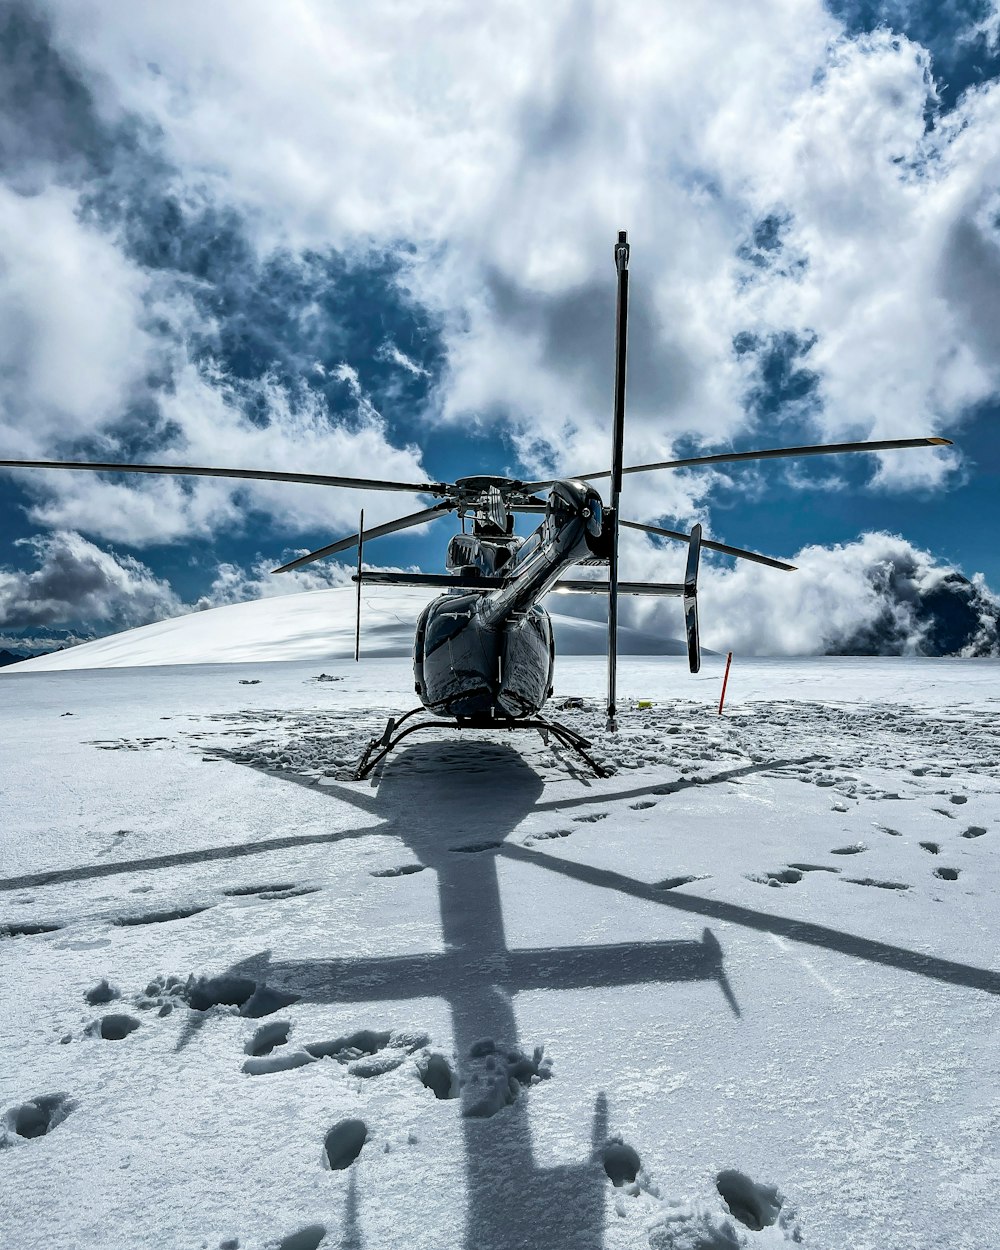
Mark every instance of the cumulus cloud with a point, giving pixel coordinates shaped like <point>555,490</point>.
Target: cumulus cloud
<point>507,153</point>
<point>879,595</point>
<point>75,580</point>
<point>199,201</point>
<point>235,584</point>
<point>208,423</point>
<point>141,323</point>
<point>73,348</point>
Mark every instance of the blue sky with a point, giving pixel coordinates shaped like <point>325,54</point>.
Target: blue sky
<point>384,248</point>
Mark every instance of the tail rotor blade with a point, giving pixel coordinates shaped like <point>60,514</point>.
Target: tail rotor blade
<point>691,599</point>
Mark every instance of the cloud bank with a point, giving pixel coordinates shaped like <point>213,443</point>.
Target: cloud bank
<point>784,182</point>
<point>877,596</point>
<point>74,580</point>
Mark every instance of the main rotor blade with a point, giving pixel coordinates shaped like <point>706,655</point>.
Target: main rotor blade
<point>377,531</point>
<point>262,475</point>
<point>705,542</point>
<point>773,453</point>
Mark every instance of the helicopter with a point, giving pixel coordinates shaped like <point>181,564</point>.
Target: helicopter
<point>484,652</point>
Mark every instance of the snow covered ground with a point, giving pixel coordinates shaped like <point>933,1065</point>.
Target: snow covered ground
<point>320,625</point>
<point>741,993</point>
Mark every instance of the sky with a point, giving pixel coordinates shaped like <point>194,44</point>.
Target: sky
<point>379,243</point>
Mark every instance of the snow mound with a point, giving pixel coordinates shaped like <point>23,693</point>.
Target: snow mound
<point>314,625</point>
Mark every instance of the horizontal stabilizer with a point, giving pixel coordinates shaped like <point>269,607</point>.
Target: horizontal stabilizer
<point>445,581</point>
<point>624,588</point>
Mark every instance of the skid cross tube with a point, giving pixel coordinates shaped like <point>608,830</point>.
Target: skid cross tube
<point>378,748</point>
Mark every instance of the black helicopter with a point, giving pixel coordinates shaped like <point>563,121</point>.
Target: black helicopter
<point>483,654</point>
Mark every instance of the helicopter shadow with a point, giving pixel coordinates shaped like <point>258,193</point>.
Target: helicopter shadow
<point>454,806</point>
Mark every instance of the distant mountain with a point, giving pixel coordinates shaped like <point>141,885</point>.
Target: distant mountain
<point>13,657</point>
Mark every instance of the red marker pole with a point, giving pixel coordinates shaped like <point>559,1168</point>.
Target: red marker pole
<point>725,681</point>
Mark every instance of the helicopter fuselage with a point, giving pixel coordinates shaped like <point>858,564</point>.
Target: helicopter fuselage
<point>489,653</point>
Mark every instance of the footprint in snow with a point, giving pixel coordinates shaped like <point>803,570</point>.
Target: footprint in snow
<point>547,836</point>
<point>589,818</point>
<point>404,870</point>
<point>31,929</point>
<point>267,1037</point>
<point>755,1206</point>
<point>34,1118</point>
<point>438,1075</point>
<point>932,848</point>
<point>642,806</point>
<point>102,992</point>
<point>112,1028</point>
<point>308,1238</point>
<point>496,1074</point>
<point>343,1144</point>
<point>855,848</point>
<point>784,876</point>
<point>253,998</point>
<point>365,1054</point>
<point>160,917</point>
<point>878,885</point>
<point>973,831</point>
<point>946,874</point>
<point>622,1164</point>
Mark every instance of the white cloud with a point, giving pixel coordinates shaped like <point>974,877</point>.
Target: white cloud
<point>510,150</point>
<point>209,426</point>
<point>878,595</point>
<point>235,584</point>
<point>75,580</point>
<point>73,346</point>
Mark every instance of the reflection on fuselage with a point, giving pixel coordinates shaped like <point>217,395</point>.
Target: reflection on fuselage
<point>490,653</point>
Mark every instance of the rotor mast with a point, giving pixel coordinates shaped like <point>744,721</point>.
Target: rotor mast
<point>617,463</point>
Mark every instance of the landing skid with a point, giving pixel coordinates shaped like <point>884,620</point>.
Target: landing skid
<point>378,748</point>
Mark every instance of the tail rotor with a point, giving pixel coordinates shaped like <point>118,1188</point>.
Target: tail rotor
<point>691,599</point>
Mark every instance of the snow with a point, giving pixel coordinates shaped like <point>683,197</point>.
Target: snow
<point>316,625</point>
<point>742,993</point>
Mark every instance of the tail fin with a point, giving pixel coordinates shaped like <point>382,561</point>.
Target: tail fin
<point>691,599</point>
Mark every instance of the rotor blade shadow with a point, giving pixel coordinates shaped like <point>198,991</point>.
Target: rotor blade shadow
<point>241,850</point>
<point>795,930</point>
<point>670,787</point>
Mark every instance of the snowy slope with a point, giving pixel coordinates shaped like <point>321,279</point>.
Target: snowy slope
<point>752,977</point>
<point>316,625</point>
